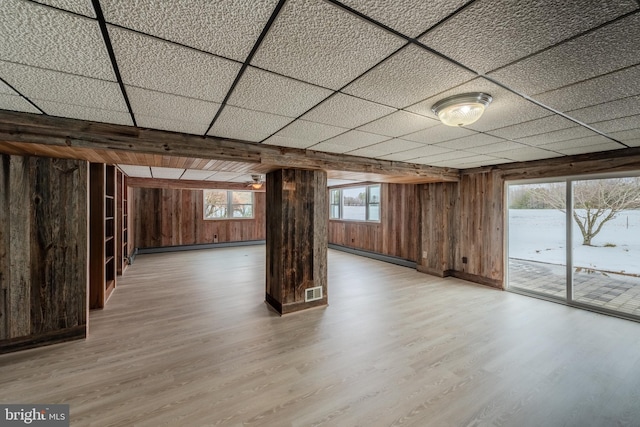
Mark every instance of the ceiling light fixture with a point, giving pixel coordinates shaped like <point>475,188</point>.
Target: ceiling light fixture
<point>461,110</point>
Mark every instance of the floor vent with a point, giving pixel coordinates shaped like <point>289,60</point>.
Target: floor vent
<point>312,294</point>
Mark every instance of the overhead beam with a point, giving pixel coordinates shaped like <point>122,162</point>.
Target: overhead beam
<point>63,132</point>
<point>179,184</point>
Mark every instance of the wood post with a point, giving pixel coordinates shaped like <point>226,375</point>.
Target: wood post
<point>297,238</point>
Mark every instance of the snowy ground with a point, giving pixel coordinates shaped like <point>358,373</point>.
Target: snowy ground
<point>539,235</point>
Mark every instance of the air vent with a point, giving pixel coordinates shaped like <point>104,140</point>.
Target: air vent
<point>312,294</point>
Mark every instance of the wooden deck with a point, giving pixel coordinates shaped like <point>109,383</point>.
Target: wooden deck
<point>187,340</point>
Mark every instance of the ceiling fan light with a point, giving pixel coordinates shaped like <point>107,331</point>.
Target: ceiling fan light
<point>461,110</point>
<point>256,185</point>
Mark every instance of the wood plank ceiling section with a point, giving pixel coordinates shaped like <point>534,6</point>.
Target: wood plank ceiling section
<point>345,86</point>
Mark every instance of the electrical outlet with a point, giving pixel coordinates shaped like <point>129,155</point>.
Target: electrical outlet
<point>464,259</point>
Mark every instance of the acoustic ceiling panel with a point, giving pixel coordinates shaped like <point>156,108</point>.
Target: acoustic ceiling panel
<point>438,133</point>
<point>533,127</point>
<point>310,37</point>
<point>468,162</point>
<point>624,107</point>
<point>85,113</point>
<point>386,148</point>
<point>604,50</point>
<point>16,103</point>
<point>406,16</point>
<point>348,141</point>
<point>470,141</point>
<point>302,134</point>
<point>556,136</point>
<point>248,125</point>
<point>347,111</point>
<point>44,37</point>
<point>629,137</point>
<point>409,76</point>
<point>608,87</point>
<point>607,146</point>
<point>414,153</point>
<point>170,68</point>
<point>526,154</point>
<point>82,7</point>
<point>42,84</point>
<point>579,142</point>
<point>494,148</point>
<point>264,91</point>
<point>492,33</point>
<point>166,173</point>
<point>399,123</point>
<point>617,125</point>
<point>136,171</point>
<point>196,175</point>
<point>171,112</point>
<point>228,28</point>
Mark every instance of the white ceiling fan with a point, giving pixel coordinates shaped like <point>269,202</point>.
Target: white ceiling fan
<point>257,182</point>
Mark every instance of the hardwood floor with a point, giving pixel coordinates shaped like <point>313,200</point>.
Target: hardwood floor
<point>187,340</point>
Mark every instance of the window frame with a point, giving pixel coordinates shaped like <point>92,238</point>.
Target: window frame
<point>368,204</point>
<point>229,205</point>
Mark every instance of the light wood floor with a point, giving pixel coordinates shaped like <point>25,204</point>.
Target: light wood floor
<point>186,340</point>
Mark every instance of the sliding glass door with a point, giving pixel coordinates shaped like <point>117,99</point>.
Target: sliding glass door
<point>598,220</point>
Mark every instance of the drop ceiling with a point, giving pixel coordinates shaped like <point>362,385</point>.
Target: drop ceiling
<point>354,77</point>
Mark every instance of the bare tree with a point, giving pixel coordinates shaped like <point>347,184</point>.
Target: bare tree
<point>595,201</point>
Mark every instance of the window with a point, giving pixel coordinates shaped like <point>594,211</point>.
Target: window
<point>227,204</point>
<point>355,203</point>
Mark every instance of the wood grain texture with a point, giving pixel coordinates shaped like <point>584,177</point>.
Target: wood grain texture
<point>438,235</point>
<point>296,237</point>
<point>172,217</point>
<point>43,267</point>
<point>64,133</point>
<point>178,184</point>
<point>394,348</point>
<point>395,234</point>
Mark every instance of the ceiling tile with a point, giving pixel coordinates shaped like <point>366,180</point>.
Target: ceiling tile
<point>82,7</point>
<point>386,148</point>
<point>607,49</point>
<point>627,135</point>
<point>334,182</point>
<point>408,17</point>
<point>526,154</point>
<point>264,91</point>
<point>617,125</point>
<point>609,110</point>
<point>494,148</point>
<point>82,112</point>
<point>196,175</point>
<point>533,127</point>
<point>492,33</point>
<point>451,157</point>
<point>41,84</point>
<point>136,171</point>
<point>466,162</point>
<point>166,173</point>
<point>505,109</point>
<point>438,133</point>
<point>556,136</point>
<point>228,28</point>
<point>608,87</point>
<point>37,35</point>
<point>409,76</point>
<point>247,125</point>
<point>16,103</point>
<point>399,123</point>
<point>576,143</point>
<point>169,68</point>
<point>159,110</point>
<point>4,89</point>
<point>347,111</point>
<point>223,176</point>
<point>470,141</point>
<point>414,153</point>
<point>607,146</point>
<point>302,134</point>
<point>310,37</point>
<point>348,141</point>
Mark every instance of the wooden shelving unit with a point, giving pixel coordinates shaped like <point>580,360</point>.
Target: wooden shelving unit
<point>123,216</point>
<point>103,240</point>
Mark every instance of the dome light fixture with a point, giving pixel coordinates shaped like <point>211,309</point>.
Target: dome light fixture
<point>463,109</point>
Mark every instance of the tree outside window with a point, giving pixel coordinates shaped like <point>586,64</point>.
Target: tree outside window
<point>355,203</point>
<point>226,204</point>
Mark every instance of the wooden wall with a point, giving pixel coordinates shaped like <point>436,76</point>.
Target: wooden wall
<point>172,217</point>
<point>397,232</point>
<point>43,251</point>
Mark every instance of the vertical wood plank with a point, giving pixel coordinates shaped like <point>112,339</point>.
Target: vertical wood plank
<point>5,230</point>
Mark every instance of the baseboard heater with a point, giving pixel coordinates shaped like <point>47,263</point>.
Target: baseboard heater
<point>374,255</point>
<point>196,247</point>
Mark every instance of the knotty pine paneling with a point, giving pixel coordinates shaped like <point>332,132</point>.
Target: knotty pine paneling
<point>43,258</point>
<point>174,217</point>
<point>397,232</point>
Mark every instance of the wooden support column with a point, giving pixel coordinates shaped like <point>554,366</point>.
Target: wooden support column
<point>297,238</point>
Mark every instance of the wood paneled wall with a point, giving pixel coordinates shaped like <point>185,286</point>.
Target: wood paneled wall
<point>173,217</point>
<point>397,232</point>
<point>43,251</point>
